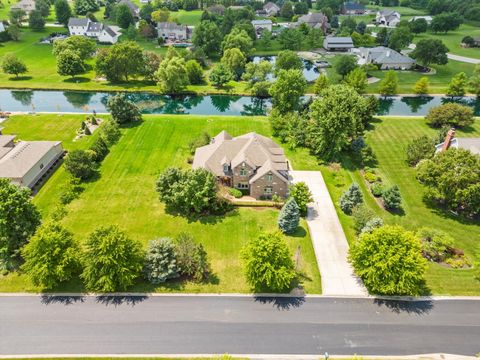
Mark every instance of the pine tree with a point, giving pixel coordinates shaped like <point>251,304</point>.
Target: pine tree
<point>350,198</point>
<point>289,217</point>
<point>457,85</point>
<point>421,86</point>
<point>392,198</point>
<point>161,261</point>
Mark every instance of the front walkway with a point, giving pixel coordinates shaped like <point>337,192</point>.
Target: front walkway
<point>328,238</point>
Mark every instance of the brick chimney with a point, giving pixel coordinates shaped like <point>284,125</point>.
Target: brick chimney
<point>448,139</point>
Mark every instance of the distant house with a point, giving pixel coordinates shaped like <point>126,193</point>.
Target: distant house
<point>476,42</point>
<point>427,18</point>
<point>95,30</point>
<point>172,31</point>
<point>387,17</point>
<point>250,162</point>
<point>271,9</point>
<point>261,25</point>
<point>333,43</point>
<point>2,27</point>
<point>26,162</point>
<point>353,8</point>
<point>314,20</point>
<point>26,5</point>
<point>470,144</point>
<point>134,9</point>
<point>385,58</point>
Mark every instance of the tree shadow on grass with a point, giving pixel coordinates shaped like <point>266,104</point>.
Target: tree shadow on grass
<point>445,213</point>
<point>77,80</point>
<point>47,299</point>
<point>300,232</point>
<point>280,302</point>
<point>20,78</point>
<point>421,307</point>
<point>202,218</point>
<point>116,300</point>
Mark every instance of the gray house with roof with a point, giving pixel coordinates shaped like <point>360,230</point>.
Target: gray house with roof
<point>251,162</point>
<point>24,163</point>
<point>334,43</point>
<point>95,30</point>
<point>314,20</point>
<point>172,31</point>
<point>385,58</point>
<point>387,17</point>
<point>352,8</point>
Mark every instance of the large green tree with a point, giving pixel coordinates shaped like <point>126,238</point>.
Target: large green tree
<point>257,77</point>
<point>82,45</point>
<point>389,84</point>
<point>268,263</point>
<point>172,75</point>
<point>446,22</point>
<point>63,12</point>
<point>430,51</point>
<point>51,256</point>
<point>80,164</point>
<point>208,37</point>
<point>287,60</point>
<point>220,75</point>
<point>302,195</point>
<point>234,60</point>
<point>450,114</point>
<point>238,39</point>
<point>36,21</point>
<point>19,218</point>
<point>389,261</point>
<point>287,90</point>
<point>345,64</point>
<point>123,16</point>
<point>70,64</point>
<point>120,62</point>
<point>452,178</point>
<point>357,79</point>
<point>112,261</point>
<point>337,117</point>
<point>400,38</point>
<point>122,109</point>
<point>457,85</point>
<point>82,7</point>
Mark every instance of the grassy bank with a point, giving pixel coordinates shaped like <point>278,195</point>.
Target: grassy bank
<point>124,194</point>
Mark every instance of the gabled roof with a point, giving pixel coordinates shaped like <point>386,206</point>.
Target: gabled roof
<point>388,12</point>
<point>384,55</point>
<point>267,167</point>
<point>313,18</point>
<point>78,22</point>
<point>134,9</point>
<point>339,40</point>
<point>110,31</point>
<point>353,6</point>
<point>171,26</point>
<point>251,148</point>
<point>94,27</point>
<point>271,6</point>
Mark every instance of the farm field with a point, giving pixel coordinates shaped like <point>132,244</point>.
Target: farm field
<point>124,194</point>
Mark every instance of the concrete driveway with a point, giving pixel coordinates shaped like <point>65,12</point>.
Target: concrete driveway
<point>328,238</point>
<point>463,59</point>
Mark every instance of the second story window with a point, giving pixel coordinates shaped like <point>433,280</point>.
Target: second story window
<point>243,172</point>
<point>269,177</point>
<point>225,168</point>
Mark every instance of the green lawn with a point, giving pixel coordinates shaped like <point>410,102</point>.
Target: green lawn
<point>125,195</point>
<point>191,18</point>
<point>402,10</point>
<point>388,140</point>
<point>453,40</point>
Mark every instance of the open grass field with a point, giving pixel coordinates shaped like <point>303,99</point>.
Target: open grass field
<point>453,40</point>
<point>124,194</point>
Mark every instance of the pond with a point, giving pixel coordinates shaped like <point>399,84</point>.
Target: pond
<point>310,72</point>
<point>84,102</point>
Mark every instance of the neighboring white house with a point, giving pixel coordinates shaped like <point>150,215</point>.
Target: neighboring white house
<point>26,162</point>
<point>172,31</point>
<point>427,18</point>
<point>384,57</point>
<point>261,25</point>
<point>95,30</point>
<point>387,17</point>
<point>333,43</point>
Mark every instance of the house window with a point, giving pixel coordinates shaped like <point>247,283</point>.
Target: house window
<point>242,186</point>
<point>225,168</point>
<point>41,166</point>
<point>269,177</point>
<point>268,190</point>
<point>243,172</point>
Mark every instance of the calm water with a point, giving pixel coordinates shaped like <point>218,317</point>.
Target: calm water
<point>309,71</point>
<point>81,102</point>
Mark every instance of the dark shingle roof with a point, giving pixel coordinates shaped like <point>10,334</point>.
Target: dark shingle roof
<point>77,22</point>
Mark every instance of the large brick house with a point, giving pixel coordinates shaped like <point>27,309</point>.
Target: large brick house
<point>252,163</point>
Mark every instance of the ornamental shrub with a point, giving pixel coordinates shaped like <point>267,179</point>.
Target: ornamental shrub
<point>361,216</point>
<point>389,261</point>
<point>237,194</point>
<point>289,217</point>
<point>100,149</point>
<point>450,114</point>
<point>377,189</point>
<point>268,263</point>
<point>372,225</point>
<point>192,258</point>
<point>51,256</point>
<point>436,244</point>
<point>79,164</point>
<point>420,148</point>
<point>350,198</point>
<point>160,261</point>
<point>392,200</point>
<point>302,195</point>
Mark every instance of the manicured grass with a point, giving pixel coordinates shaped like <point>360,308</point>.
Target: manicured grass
<point>389,139</point>
<point>453,40</point>
<point>191,18</point>
<point>402,10</point>
<point>124,194</point>
<point>438,81</point>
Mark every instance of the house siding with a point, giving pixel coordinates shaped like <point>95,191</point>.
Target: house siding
<point>279,187</point>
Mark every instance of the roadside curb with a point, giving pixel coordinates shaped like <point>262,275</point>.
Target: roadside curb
<point>439,356</point>
<point>253,296</point>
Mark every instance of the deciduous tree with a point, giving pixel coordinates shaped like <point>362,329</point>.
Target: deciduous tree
<point>234,60</point>
<point>69,64</point>
<point>430,51</point>
<point>389,84</point>
<point>220,75</point>
<point>302,195</point>
<point>80,164</point>
<point>63,12</point>
<point>11,64</point>
<point>172,75</point>
<point>287,90</point>
<point>421,87</point>
<point>450,114</point>
<point>122,109</point>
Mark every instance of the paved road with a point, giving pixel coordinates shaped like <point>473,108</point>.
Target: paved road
<point>328,238</point>
<point>236,325</point>
<point>463,59</point>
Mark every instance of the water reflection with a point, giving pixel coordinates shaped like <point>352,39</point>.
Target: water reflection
<point>149,103</point>
<point>309,70</point>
